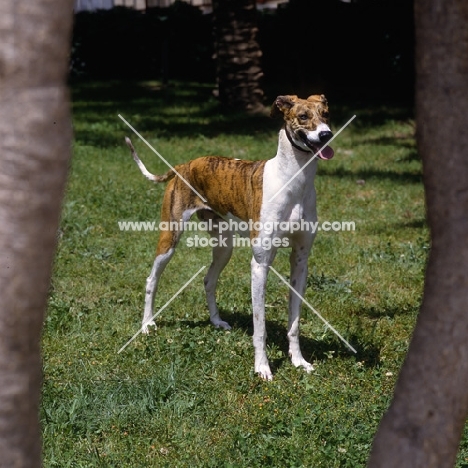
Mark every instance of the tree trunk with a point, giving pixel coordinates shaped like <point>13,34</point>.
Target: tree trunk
<point>424,424</point>
<point>238,66</point>
<point>35,137</point>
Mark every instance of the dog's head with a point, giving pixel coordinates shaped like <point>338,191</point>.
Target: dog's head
<point>306,123</point>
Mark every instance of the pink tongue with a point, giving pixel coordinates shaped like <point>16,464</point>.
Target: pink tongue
<point>326,153</point>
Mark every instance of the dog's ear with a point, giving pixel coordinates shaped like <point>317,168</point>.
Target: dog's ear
<point>318,98</point>
<point>281,105</point>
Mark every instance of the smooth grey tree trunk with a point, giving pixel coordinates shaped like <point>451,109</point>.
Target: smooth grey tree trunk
<point>424,423</point>
<point>35,142</point>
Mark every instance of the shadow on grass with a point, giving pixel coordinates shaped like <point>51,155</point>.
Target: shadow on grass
<point>414,224</point>
<point>407,142</point>
<point>407,177</point>
<point>185,109</point>
<point>369,110</point>
<point>398,225</point>
<point>177,111</point>
<point>381,312</point>
<point>313,350</point>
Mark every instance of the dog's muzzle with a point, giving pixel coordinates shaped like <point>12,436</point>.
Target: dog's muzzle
<point>322,152</point>
<point>325,136</point>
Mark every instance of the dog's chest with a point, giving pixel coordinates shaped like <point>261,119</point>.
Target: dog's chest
<point>297,212</point>
<point>288,195</point>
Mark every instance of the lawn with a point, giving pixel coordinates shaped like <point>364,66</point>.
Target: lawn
<point>186,395</point>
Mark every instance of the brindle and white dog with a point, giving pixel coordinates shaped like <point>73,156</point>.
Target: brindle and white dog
<point>251,190</point>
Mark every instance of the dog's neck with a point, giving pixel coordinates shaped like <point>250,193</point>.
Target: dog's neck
<point>291,152</point>
<point>290,160</point>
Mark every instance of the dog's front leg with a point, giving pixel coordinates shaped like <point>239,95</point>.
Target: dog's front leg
<point>298,278</point>
<point>259,279</point>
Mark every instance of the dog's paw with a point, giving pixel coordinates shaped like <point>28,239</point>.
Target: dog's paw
<point>264,372</point>
<point>221,324</point>
<point>145,328</point>
<point>301,362</point>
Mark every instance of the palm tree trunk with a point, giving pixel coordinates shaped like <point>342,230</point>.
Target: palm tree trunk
<point>238,66</point>
<point>35,136</point>
<point>424,424</point>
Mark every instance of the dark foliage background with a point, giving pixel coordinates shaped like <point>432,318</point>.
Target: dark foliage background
<point>307,45</point>
<point>123,43</point>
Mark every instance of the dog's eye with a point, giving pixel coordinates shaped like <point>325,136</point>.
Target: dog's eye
<point>303,116</point>
<point>325,115</point>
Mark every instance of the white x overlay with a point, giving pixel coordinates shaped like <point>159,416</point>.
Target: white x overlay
<point>203,267</point>
<point>162,308</point>
<point>313,310</point>
<point>162,159</point>
<point>312,158</point>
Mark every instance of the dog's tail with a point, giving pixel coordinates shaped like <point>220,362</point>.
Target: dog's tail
<point>153,177</point>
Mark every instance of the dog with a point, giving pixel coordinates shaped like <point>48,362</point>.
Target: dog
<point>274,192</point>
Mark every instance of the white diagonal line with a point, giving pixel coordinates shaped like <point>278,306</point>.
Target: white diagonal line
<point>162,308</point>
<point>313,310</point>
<point>312,158</point>
<point>162,159</point>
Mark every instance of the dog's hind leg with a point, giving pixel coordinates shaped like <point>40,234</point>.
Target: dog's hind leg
<point>167,243</point>
<point>162,259</point>
<point>222,251</point>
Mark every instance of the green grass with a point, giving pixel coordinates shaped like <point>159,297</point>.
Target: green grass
<point>186,395</point>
